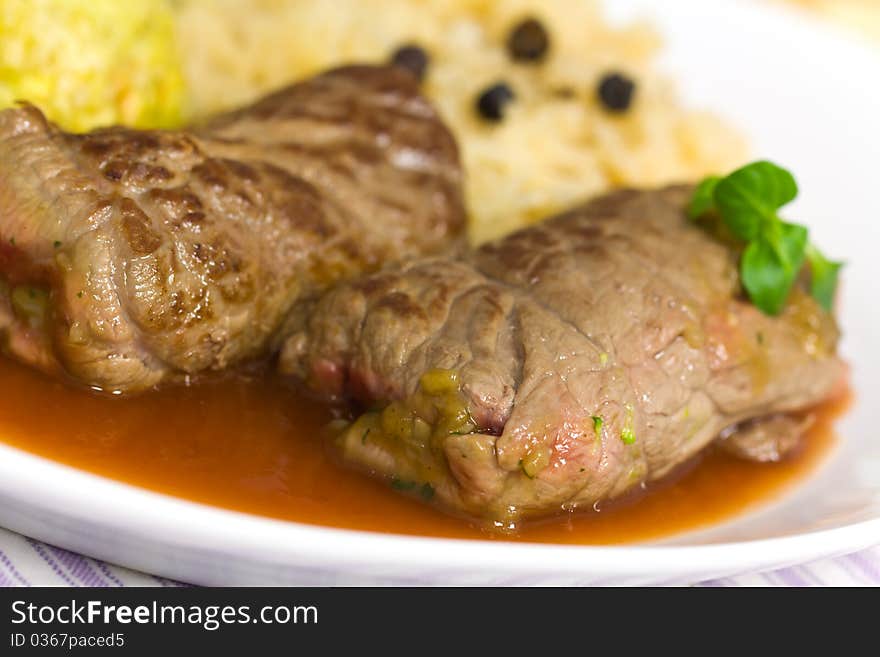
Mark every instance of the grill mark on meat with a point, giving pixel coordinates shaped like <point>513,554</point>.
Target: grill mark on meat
<point>141,237</point>
<point>403,306</point>
<point>363,153</point>
<point>212,173</point>
<point>302,204</point>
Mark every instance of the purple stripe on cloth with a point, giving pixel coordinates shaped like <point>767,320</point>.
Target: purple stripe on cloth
<point>862,563</point>
<point>170,582</point>
<point>767,579</point>
<point>856,573</point>
<point>108,573</point>
<point>790,577</point>
<point>764,579</point>
<point>772,579</point>
<point>808,574</point>
<point>13,570</point>
<point>38,548</point>
<point>78,567</point>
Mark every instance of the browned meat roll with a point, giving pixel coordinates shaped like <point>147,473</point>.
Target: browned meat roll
<point>565,364</point>
<point>132,257</point>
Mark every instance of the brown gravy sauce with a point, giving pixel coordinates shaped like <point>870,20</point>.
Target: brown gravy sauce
<point>254,446</point>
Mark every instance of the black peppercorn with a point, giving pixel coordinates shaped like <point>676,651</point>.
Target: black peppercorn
<point>616,92</point>
<point>528,41</point>
<point>412,58</point>
<point>491,103</point>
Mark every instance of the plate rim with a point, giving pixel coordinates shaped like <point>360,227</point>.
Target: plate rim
<point>63,491</point>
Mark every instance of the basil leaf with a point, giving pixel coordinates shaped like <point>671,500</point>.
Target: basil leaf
<point>748,201</point>
<point>823,273</point>
<point>771,263</point>
<point>704,197</point>
<point>749,197</point>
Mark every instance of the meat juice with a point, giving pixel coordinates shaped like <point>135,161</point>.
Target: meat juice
<point>251,444</point>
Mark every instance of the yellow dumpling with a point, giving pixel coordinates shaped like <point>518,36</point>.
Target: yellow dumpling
<point>89,63</point>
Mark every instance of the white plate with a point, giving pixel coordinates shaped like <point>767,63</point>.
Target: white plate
<point>809,99</point>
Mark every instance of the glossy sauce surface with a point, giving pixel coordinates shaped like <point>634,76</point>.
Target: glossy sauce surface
<point>253,445</point>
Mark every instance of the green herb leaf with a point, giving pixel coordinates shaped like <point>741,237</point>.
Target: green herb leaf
<point>770,265</point>
<point>704,197</point>
<point>823,273</point>
<point>749,197</point>
<point>427,492</point>
<point>748,201</point>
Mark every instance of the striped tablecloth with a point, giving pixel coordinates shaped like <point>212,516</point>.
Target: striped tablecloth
<point>26,562</point>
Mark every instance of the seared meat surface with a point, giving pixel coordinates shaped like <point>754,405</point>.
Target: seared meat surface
<point>563,365</point>
<point>132,257</point>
